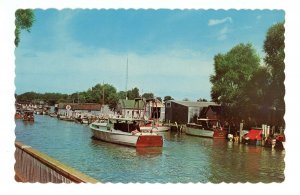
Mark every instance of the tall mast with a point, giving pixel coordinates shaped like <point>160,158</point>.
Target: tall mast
<point>126,83</point>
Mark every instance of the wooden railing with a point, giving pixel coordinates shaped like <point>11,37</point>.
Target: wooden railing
<point>34,166</point>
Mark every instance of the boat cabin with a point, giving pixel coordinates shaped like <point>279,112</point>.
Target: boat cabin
<point>126,125</point>
<point>208,124</point>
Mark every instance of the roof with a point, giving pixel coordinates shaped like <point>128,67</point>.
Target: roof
<point>194,104</point>
<point>131,104</point>
<point>155,103</point>
<point>80,106</point>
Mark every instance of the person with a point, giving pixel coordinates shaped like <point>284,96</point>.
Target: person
<point>136,126</point>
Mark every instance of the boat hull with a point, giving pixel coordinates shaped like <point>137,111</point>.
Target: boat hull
<point>199,132</point>
<point>193,129</point>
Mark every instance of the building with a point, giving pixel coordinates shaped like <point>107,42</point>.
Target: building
<point>131,108</point>
<point>141,108</point>
<point>155,109</point>
<point>184,112</point>
<point>212,112</point>
<point>74,109</point>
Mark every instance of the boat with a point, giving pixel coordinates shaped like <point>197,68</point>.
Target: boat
<point>204,127</point>
<point>253,137</point>
<point>18,114</point>
<point>151,125</point>
<point>53,114</point>
<point>65,118</point>
<point>124,131</point>
<point>275,142</point>
<point>28,115</point>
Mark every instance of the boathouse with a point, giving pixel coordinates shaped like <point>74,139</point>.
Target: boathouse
<point>212,112</point>
<point>184,112</point>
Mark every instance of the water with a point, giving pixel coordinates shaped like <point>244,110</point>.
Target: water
<point>182,159</point>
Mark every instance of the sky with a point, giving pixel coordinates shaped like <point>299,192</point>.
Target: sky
<point>169,52</point>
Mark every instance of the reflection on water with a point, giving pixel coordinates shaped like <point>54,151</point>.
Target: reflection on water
<point>182,158</point>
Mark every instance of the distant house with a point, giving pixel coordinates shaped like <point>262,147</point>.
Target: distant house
<point>131,108</point>
<point>184,112</point>
<point>150,108</point>
<point>155,109</point>
<point>72,109</point>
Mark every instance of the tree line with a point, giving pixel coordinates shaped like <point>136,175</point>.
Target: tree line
<point>100,93</point>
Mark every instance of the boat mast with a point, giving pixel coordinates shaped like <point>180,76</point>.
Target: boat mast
<point>126,78</point>
<point>103,98</point>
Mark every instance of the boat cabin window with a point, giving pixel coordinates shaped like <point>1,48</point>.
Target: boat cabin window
<point>126,126</point>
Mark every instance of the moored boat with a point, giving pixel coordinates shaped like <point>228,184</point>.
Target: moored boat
<point>28,116</point>
<point>210,128</point>
<point>253,137</point>
<point>125,132</point>
<point>18,115</point>
<point>154,126</point>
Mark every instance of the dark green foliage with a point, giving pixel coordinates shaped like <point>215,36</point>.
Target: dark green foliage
<point>133,93</point>
<point>234,73</point>
<point>274,59</point>
<point>202,100</point>
<point>148,95</point>
<point>166,98</point>
<point>24,21</point>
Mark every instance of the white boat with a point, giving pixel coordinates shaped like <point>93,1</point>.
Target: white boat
<point>154,127</point>
<point>124,131</point>
<point>210,128</point>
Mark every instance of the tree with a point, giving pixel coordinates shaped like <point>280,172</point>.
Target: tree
<point>24,21</point>
<point>202,100</point>
<point>133,93</point>
<point>148,95</point>
<point>233,72</point>
<point>166,98</point>
<point>274,59</point>
<point>121,95</point>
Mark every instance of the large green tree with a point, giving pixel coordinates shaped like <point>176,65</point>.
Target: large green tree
<point>233,72</point>
<point>24,21</point>
<point>274,59</point>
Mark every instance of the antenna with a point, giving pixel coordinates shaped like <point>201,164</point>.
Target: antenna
<point>126,83</point>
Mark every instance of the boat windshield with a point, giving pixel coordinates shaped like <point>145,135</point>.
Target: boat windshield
<point>209,124</point>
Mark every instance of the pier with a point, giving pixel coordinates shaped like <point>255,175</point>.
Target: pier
<point>34,166</point>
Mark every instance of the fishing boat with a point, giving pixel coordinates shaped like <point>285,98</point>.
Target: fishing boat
<point>124,131</point>
<point>204,127</point>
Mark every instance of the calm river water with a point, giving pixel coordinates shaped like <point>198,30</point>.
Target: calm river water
<point>182,159</point>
